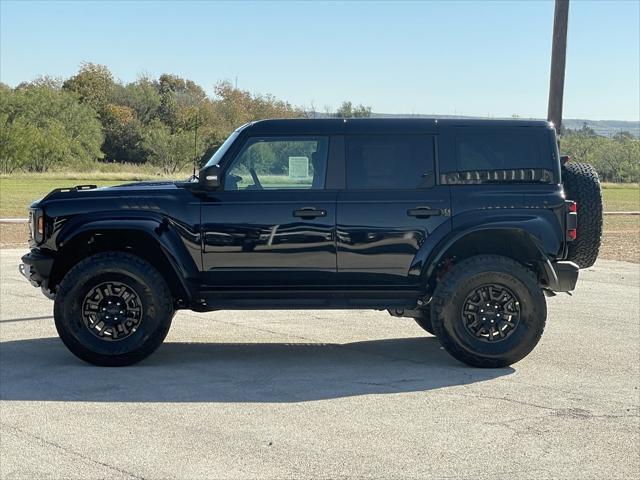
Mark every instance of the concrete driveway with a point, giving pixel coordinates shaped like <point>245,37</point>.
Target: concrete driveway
<point>325,394</point>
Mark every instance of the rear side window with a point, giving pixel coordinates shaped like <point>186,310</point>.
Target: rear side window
<point>507,156</point>
<point>389,162</point>
<point>478,151</point>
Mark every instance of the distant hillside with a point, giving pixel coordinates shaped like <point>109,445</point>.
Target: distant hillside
<point>606,128</point>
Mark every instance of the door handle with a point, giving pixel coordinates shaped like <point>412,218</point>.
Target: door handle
<point>309,212</point>
<point>423,212</point>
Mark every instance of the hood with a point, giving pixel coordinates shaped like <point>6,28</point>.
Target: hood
<point>165,197</point>
<point>123,189</point>
<point>163,183</point>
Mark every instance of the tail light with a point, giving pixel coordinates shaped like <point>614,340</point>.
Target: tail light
<point>572,220</point>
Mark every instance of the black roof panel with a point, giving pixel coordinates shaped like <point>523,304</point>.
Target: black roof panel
<point>379,125</point>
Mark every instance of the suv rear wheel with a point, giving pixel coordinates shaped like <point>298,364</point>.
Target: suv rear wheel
<point>113,309</point>
<point>488,311</point>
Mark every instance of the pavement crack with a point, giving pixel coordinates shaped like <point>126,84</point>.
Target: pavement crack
<point>511,400</point>
<point>71,452</point>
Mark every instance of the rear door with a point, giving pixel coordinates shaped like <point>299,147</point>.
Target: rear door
<point>390,206</point>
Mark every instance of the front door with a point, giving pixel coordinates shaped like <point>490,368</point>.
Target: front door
<point>273,223</point>
<point>390,207</point>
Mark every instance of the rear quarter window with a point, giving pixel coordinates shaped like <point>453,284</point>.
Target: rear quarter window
<point>513,155</point>
<point>497,151</point>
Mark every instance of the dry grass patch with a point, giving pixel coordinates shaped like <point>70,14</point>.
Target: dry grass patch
<point>621,239</point>
<point>14,236</point>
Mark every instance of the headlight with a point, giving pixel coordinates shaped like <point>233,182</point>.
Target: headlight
<point>36,225</point>
<point>40,226</point>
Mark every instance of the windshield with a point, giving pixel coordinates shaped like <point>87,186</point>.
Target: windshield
<point>222,149</point>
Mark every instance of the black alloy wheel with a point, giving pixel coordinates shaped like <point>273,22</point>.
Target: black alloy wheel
<point>491,312</point>
<point>112,311</point>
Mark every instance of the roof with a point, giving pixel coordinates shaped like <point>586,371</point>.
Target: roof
<point>380,125</point>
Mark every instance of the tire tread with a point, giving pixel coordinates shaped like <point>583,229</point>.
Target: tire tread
<point>103,262</point>
<point>582,185</point>
<point>446,290</point>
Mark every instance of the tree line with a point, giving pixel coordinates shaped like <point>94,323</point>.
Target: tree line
<point>170,121</point>
<point>166,122</point>
<point>617,159</point>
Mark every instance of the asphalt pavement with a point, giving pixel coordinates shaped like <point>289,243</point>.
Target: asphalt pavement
<point>325,394</point>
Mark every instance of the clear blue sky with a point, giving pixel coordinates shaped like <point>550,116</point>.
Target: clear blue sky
<point>467,58</point>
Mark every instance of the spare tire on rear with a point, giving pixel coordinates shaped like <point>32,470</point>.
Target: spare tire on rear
<point>581,184</point>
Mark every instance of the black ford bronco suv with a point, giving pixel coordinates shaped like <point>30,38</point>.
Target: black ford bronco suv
<point>463,225</point>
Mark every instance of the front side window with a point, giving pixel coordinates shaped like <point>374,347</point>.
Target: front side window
<point>389,162</point>
<point>279,163</point>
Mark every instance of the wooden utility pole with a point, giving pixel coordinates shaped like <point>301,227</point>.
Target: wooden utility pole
<point>558,58</point>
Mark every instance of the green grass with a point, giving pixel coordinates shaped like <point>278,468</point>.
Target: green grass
<point>18,191</point>
<point>621,197</point>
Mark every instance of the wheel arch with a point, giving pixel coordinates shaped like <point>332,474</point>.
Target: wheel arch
<point>512,242</point>
<point>152,240</point>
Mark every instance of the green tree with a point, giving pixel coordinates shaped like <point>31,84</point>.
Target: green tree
<point>616,159</point>
<point>348,110</point>
<point>123,134</point>
<point>93,84</point>
<point>171,151</point>
<point>143,96</point>
<point>16,147</point>
<point>233,107</point>
<point>42,126</point>
<point>176,95</point>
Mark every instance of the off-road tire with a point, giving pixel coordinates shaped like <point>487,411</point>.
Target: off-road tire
<point>448,302</point>
<point>424,320</point>
<point>582,185</point>
<point>125,269</point>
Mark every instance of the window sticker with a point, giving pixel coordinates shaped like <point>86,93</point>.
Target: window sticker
<point>298,167</point>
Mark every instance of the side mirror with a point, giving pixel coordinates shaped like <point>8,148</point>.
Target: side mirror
<point>210,177</point>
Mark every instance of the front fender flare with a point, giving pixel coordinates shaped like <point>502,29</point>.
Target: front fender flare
<point>169,236</point>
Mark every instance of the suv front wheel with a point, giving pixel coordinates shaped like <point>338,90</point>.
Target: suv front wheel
<point>488,311</point>
<point>113,309</point>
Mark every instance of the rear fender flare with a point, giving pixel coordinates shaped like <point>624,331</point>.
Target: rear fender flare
<point>530,232</point>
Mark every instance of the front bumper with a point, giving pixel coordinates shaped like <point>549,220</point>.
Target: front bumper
<point>36,267</point>
<point>561,276</point>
